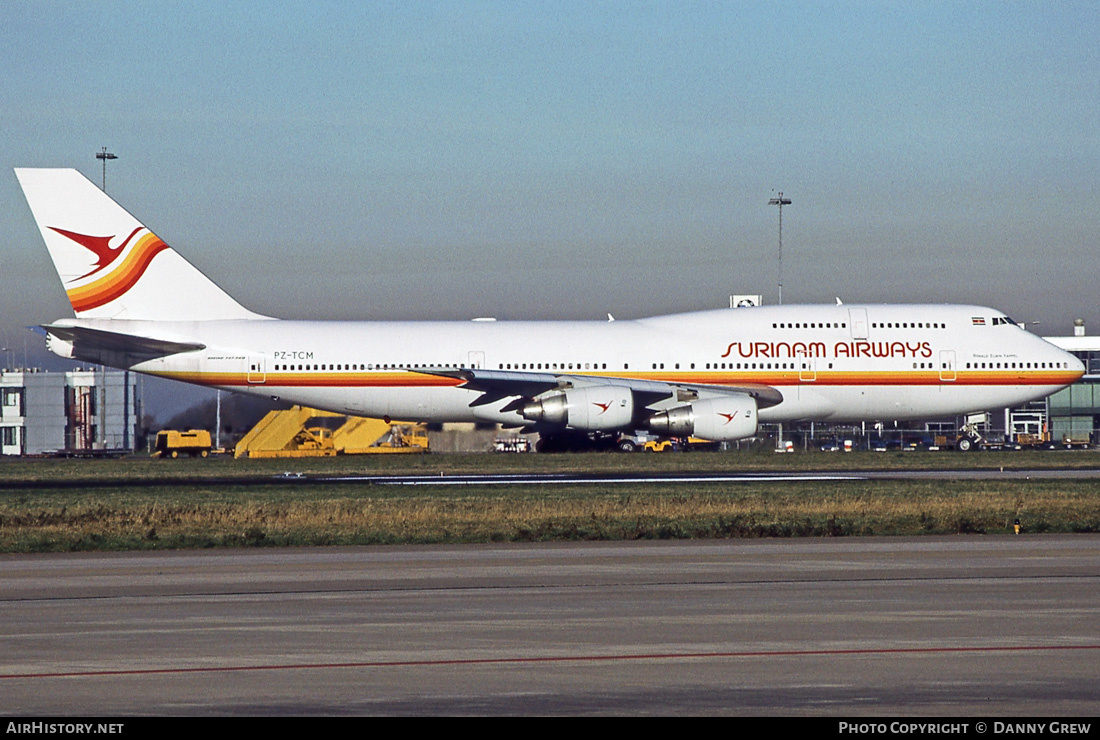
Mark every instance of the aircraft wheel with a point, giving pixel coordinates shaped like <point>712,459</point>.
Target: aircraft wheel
<point>627,446</point>
<point>965,445</point>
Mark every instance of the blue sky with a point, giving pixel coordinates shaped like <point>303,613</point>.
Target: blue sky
<point>564,160</point>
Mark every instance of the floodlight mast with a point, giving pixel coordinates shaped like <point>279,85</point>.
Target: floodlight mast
<point>780,201</point>
<point>105,155</point>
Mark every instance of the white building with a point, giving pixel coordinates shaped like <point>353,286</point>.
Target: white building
<point>43,412</point>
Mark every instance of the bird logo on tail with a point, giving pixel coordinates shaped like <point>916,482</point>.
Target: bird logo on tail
<point>124,272</point>
<point>100,246</point>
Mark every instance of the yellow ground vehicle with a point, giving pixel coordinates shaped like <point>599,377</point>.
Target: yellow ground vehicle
<point>194,442</point>
<point>691,443</point>
<point>308,442</point>
<point>1033,440</point>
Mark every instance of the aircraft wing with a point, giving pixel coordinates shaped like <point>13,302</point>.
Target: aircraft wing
<point>495,385</point>
<point>99,345</point>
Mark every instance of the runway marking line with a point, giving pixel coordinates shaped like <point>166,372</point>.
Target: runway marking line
<point>553,659</point>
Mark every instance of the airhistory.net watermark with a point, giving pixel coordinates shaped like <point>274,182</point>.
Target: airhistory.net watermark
<point>64,728</point>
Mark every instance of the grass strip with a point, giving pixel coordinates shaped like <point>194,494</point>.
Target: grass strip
<point>195,516</point>
<point>15,471</point>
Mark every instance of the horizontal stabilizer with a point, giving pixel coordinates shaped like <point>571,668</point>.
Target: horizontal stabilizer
<point>97,345</point>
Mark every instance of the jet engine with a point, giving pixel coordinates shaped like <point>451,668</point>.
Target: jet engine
<point>595,408</point>
<point>717,419</point>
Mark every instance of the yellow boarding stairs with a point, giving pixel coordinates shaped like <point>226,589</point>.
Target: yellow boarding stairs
<point>295,433</point>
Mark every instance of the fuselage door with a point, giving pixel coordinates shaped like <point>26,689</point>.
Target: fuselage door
<point>476,360</point>
<point>947,365</point>
<point>257,373</point>
<point>807,368</point>
<point>857,319</point>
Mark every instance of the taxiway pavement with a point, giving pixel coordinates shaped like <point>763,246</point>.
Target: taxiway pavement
<point>986,626</point>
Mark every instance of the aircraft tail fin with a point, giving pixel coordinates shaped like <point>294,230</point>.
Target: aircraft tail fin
<point>111,265</point>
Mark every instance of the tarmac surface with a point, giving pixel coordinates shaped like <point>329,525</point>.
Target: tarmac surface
<point>642,478</point>
<point>291,479</point>
<point>977,626</point>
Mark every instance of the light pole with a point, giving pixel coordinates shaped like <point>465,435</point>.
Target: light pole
<point>780,201</point>
<point>105,155</point>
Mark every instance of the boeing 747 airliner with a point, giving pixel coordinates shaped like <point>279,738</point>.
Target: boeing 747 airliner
<point>713,374</point>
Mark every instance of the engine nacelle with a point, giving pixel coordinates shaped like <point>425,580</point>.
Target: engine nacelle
<point>598,408</point>
<point>717,419</point>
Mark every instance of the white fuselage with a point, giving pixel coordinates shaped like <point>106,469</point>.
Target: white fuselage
<point>142,306</point>
<point>843,362</point>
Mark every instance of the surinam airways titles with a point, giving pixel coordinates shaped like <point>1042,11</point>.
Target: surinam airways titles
<point>781,350</point>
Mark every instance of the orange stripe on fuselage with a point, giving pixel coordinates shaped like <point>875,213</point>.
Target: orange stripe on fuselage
<point>316,380</point>
<point>781,379</point>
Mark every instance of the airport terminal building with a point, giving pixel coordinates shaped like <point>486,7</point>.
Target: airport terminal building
<point>1074,412</point>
